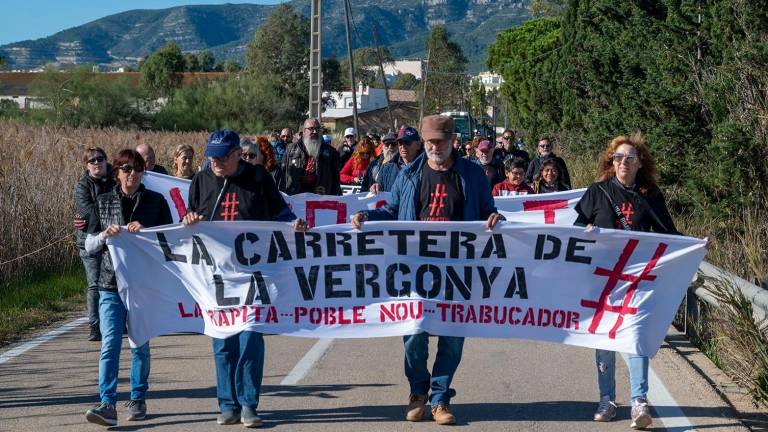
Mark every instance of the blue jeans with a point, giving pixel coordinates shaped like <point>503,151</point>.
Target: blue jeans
<point>449,349</point>
<point>113,313</point>
<point>92,264</point>
<point>239,363</point>
<point>606,374</point>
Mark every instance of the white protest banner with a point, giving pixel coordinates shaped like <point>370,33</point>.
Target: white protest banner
<point>315,209</point>
<point>552,209</point>
<point>607,289</point>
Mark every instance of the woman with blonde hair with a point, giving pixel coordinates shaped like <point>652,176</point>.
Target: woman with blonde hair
<point>183,156</point>
<point>626,197</point>
<point>353,171</point>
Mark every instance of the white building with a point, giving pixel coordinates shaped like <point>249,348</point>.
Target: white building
<point>490,80</point>
<point>340,103</point>
<point>398,67</point>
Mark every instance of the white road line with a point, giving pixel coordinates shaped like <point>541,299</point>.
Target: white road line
<point>21,349</point>
<point>664,404</point>
<point>307,362</point>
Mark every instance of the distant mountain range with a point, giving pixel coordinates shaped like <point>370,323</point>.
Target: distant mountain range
<point>403,25</point>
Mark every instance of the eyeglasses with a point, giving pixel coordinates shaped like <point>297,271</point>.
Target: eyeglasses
<point>128,168</point>
<point>506,137</point>
<point>630,158</point>
<point>96,160</point>
<point>312,128</point>
<point>249,155</point>
<point>545,145</point>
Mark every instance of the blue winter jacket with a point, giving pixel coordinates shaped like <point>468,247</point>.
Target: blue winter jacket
<point>478,202</point>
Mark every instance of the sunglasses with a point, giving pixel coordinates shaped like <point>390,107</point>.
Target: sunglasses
<point>249,155</point>
<point>128,168</point>
<point>96,160</point>
<point>364,154</point>
<point>630,158</point>
<point>285,136</point>
<point>507,138</point>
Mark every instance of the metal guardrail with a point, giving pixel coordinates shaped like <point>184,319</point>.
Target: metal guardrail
<point>757,295</point>
<point>699,297</point>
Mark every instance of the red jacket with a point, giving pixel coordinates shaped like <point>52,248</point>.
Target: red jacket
<point>353,171</point>
<point>506,188</point>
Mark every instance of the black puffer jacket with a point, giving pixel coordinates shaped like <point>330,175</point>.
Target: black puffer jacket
<point>145,206</point>
<point>86,191</point>
<point>327,170</point>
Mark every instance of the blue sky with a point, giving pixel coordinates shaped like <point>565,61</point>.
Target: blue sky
<point>33,19</point>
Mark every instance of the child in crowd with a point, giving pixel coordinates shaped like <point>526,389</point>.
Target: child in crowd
<point>515,183</point>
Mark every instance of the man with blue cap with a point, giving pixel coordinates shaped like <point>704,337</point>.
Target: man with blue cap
<point>233,190</point>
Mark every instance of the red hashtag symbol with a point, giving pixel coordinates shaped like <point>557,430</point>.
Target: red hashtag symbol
<point>549,207</point>
<point>614,276</point>
<point>626,209</point>
<point>229,206</point>
<point>438,194</point>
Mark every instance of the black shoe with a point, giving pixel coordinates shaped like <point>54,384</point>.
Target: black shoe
<point>102,414</point>
<point>137,409</point>
<point>95,334</point>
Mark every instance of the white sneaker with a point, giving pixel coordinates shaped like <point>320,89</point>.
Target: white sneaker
<point>641,414</point>
<point>606,410</point>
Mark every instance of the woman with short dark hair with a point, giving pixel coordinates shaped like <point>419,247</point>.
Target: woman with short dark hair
<point>625,196</point>
<point>96,179</point>
<point>128,204</point>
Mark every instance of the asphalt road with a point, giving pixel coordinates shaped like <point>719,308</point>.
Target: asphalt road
<point>355,385</point>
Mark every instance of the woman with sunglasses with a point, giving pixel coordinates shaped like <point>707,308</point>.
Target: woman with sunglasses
<point>353,171</point>
<point>625,196</point>
<point>96,180</point>
<point>251,153</point>
<point>128,204</point>
<point>183,156</point>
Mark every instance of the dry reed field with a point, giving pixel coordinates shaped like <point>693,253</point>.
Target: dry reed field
<point>40,166</point>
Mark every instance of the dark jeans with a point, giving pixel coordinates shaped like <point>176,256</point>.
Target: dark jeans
<point>239,363</point>
<point>92,264</point>
<point>449,350</point>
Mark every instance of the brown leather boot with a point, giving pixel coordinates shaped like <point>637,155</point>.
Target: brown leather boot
<point>442,415</point>
<point>416,405</point>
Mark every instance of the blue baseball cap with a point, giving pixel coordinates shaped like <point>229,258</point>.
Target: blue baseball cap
<point>408,134</point>
<point>221,143</point>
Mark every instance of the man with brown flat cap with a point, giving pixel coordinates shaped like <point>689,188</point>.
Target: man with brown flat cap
<point>438,186</point>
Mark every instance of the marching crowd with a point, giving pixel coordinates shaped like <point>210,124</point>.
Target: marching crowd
<point>431,177</point>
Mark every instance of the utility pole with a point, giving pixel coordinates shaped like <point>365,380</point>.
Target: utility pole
<point>347,11</point>
<point>383,77</point>
<point>424,74</point>
<point>316,61</point>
